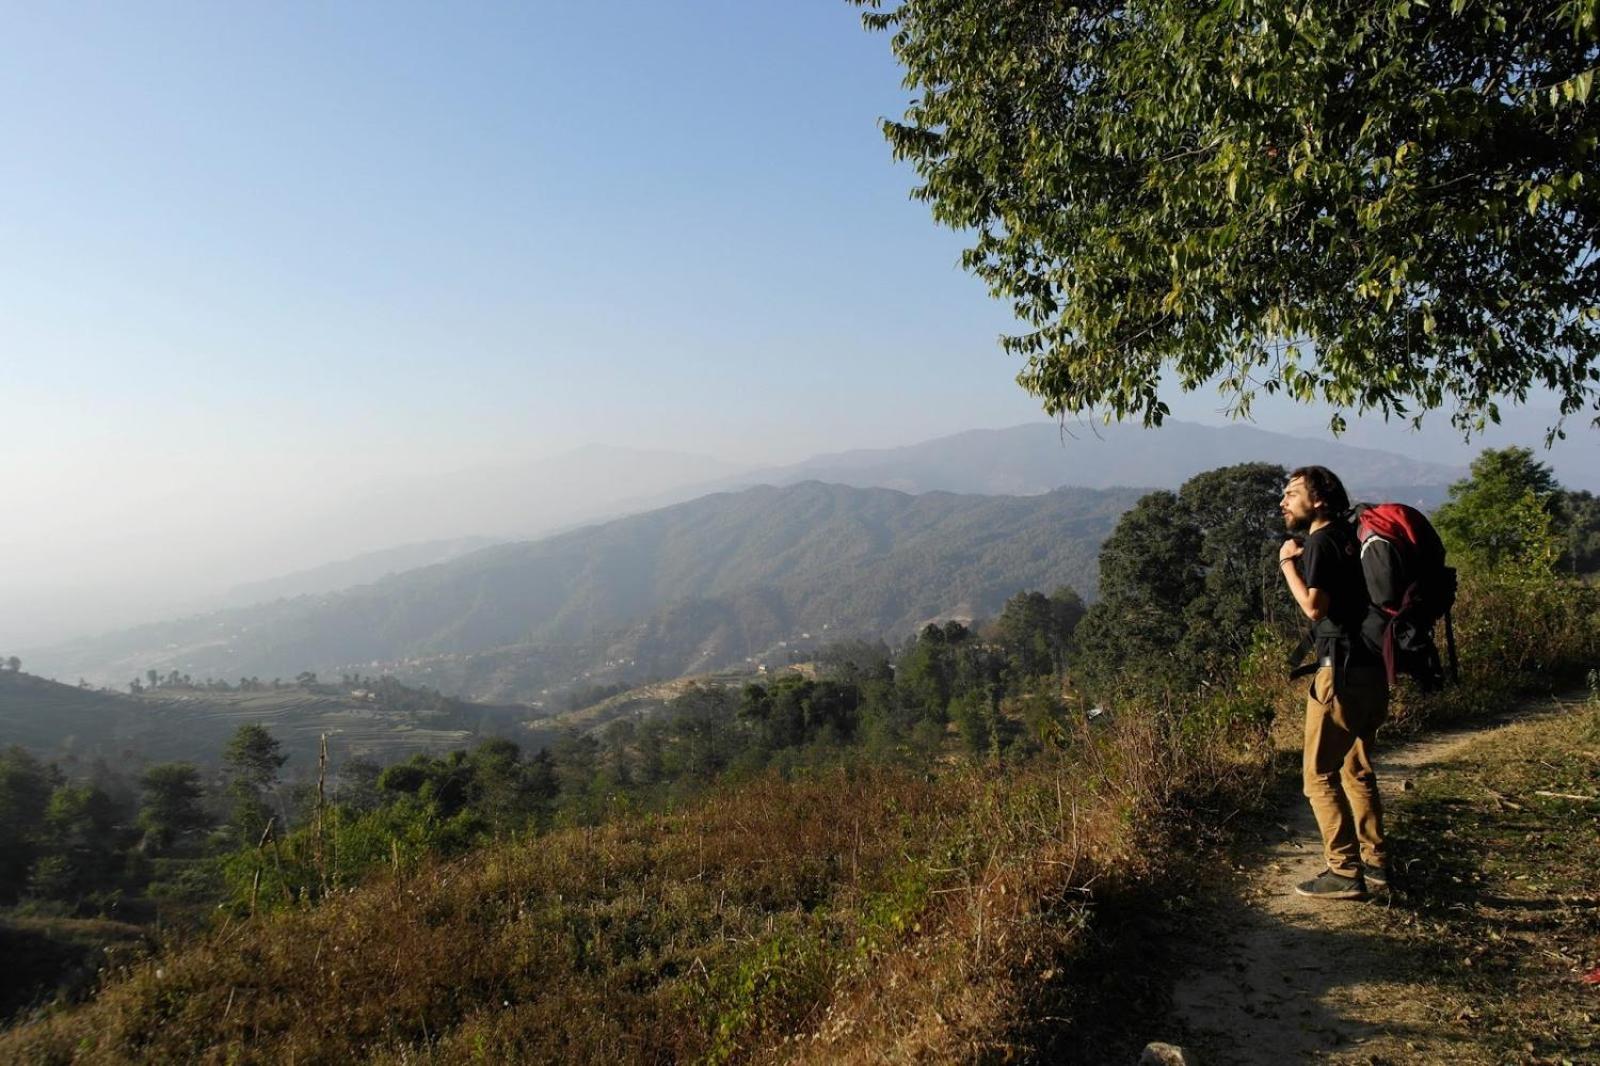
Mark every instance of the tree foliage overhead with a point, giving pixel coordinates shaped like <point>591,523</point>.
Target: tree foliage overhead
<point>1384,206</point>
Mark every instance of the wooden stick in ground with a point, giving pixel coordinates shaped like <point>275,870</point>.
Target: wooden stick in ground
<point>255,882</point>
<point>322,777</point>
<point>333,843</point>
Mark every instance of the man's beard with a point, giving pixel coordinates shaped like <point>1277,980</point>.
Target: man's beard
<point>1295,523</point>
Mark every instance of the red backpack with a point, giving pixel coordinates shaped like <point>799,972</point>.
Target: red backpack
<point>1410,589</point>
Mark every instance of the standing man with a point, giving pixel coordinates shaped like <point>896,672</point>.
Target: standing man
<point>1349,693</point>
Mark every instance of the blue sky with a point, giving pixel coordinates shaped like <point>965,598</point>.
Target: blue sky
<point>259,257</point>
<point>511,228</point>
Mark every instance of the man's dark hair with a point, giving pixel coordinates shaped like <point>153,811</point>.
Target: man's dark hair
<point>1325,488</point>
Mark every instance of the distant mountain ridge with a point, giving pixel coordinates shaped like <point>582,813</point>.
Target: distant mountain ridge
<point>357,570</point>
<point>1019,460</point>
<point>684,588</point>
<point>1039,457</point>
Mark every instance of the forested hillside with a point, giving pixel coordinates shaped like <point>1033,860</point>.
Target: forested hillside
<point>687,588</point>
<point>932,852</point>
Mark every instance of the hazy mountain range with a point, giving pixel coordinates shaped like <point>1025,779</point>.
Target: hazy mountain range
<point>1575,460</point>
<point>1039,457</point>
<point>949,527</point>
<point>360,569</point>
<point>170,558</point>
<point>1021,460</point>
<point>672,591</point>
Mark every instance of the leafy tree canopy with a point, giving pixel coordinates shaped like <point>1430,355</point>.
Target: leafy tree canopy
<point>171,807</point>
<point>254,756</point>
<point>25,787</point>
<point>1035,630</point>
<point>1184,580</point>
<point>1384,206</point>
<point>1511,510</point>
<point>1579,517</point>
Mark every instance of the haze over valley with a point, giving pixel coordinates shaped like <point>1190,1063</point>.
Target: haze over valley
<point>870,543</point>
<point>666,533</point>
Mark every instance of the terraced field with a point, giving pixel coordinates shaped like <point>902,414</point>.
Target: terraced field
<point>643,702</point>
<point>65,721</point>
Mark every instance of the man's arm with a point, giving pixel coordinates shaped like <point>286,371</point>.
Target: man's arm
<point>1313,602</point>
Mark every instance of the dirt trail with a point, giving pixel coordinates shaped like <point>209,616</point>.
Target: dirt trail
<point>1277,978</point>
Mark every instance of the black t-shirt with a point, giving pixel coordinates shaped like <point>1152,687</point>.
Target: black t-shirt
<point>1331,561</point>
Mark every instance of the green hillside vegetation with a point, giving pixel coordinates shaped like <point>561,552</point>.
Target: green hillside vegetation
<point>908,853</point>
<point>44,715</point>
<point>637,702</point>
<point>241,839</point>
<point>687,589</point>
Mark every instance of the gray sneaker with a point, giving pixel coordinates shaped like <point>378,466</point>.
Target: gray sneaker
<point>1329,885</point>
<point>1375,876</point>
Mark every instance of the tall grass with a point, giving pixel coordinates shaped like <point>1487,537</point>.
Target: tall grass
<point>859,909</point>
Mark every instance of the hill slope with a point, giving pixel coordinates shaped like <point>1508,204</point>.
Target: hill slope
<point>190,724</point>
<point>673,591</point>
<point>345,573</point>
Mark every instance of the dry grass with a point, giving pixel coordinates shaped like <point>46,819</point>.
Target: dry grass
<point>850,915</point>
<point>854,914</point>
<point>1500,917</point>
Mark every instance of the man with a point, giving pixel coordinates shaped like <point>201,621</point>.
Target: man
<point>1349,693</point>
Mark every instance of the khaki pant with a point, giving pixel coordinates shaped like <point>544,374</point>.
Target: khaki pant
<point>1337,766</point>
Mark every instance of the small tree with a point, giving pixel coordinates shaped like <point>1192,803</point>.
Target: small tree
<point>1184,580</point>
<point>171,809</point>
<point>1149,573</point>
<point>252,758</point>
<point>81,853</point>
<point>25,787</point>
<point>358,784</point>
<point>926,672</point>
<point>1578,518</point>
<point>1035,631</point>
<point>1503,513</point>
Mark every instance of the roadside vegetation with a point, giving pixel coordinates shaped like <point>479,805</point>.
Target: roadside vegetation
<point>912,854</point>
<point>1502,908</point>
